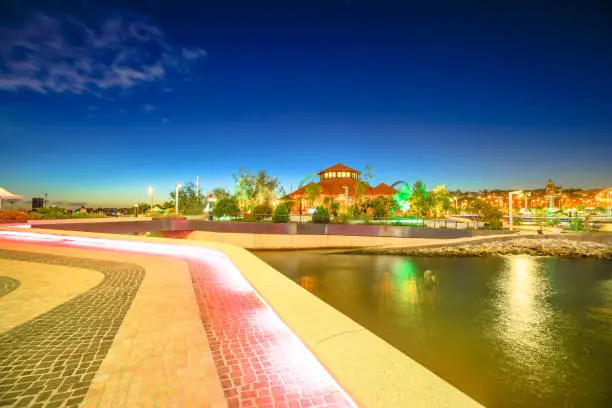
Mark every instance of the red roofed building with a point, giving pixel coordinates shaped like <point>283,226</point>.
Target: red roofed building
<point>341,183</point>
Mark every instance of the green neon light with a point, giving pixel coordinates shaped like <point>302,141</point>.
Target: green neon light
<point>402,197</point>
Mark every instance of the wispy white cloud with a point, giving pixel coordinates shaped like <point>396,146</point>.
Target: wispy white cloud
<point>191,54</point>
<point>63,55</point>
<point>149,108</point>
<point>165,120</point>
<point>92,108</point>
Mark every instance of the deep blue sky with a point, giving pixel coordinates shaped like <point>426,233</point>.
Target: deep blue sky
<point>97,102</point>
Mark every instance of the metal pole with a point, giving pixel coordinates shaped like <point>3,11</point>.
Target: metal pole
<point>176,198</point>
<point>198,187</point>
<point>510,210</point>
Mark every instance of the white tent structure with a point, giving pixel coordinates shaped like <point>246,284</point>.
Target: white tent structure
<point>7,194</point>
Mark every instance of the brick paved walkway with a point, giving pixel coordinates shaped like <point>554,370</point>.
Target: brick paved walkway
<point>259,362</point>
<point>7,285</point>
<point>258,359</point>
<point>52,359</point>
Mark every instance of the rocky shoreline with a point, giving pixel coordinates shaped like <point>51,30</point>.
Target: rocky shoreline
<point>521,246</point>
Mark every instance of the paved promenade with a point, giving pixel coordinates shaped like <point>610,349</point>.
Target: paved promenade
<point>93,323</point>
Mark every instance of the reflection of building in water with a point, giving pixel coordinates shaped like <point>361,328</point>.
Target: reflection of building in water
<point>308,282</point>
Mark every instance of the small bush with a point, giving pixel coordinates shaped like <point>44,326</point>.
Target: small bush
<point>262,211</point>
<point>381,209</point>
<point>14,216</point>
<point>321,215</point>
<point>577,224</point>
<point>367,218</point>
<point>281,214</point>
<point>341,219</point>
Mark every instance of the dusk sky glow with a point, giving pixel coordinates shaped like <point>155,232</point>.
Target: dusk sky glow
<point>99,100</point>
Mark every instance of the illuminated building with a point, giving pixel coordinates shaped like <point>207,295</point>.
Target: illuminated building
<point>340,183</point>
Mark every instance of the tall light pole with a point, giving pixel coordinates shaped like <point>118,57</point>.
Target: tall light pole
<point>176,197</point>
<point>346,197</point>
<point>151,196</point>
<point>510,194</point>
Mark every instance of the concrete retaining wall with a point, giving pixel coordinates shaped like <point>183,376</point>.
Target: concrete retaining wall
<point>326,229</point>
<point>137,225</point>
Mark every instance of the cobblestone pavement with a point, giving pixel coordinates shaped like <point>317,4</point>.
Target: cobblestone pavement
<point>51,360</point>
<point>258,360</point>
<point>7,285</point>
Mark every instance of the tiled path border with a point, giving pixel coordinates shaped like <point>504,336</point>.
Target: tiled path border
<point>52,359</point>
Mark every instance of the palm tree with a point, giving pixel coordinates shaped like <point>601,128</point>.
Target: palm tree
<point>313,193</point>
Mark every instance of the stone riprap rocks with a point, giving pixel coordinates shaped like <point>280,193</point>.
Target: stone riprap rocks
<point>519,246</point>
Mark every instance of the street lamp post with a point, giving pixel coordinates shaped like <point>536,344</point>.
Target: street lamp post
<point>151,196</point>
<point>510,194</point>
<point>176,198</point>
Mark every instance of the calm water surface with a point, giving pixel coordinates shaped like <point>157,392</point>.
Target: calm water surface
<point>510,332</point>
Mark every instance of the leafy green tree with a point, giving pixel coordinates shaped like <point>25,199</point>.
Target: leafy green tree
<point>281,214</point>
<point>600,209</point>
<point>189,202</point>
<point>362,185</point>
<point>580,207</point>
<point>419,200</point>
<point>225,207</point>
<point>254,189</point>
<point>440,200</point>
<point>143,207</point>
<point>220,193</point>
<point>167,204</point>
<point>489,214</point>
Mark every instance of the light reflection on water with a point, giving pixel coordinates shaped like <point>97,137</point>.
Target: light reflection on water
<point>516,331</point>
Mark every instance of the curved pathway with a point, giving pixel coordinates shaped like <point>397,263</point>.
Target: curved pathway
<point>259,361</point>
<point>53,357</point>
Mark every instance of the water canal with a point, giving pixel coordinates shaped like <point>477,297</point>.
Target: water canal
<point>509,331</point>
